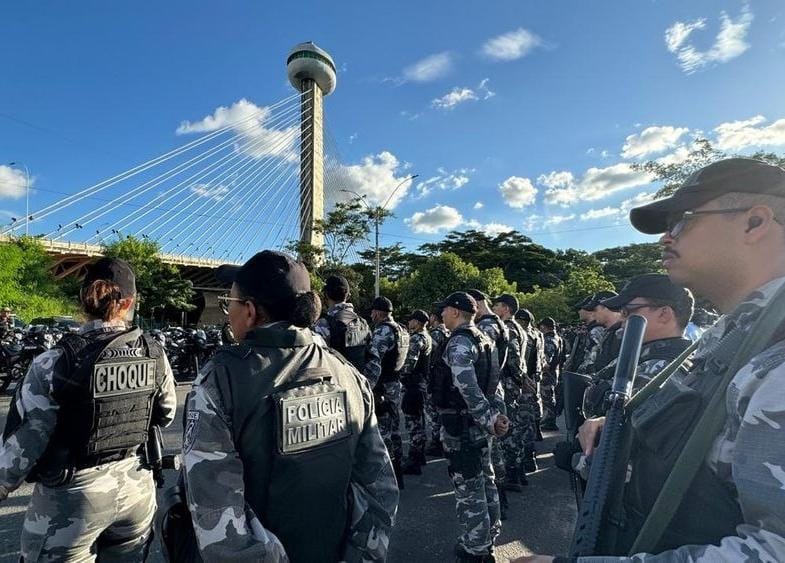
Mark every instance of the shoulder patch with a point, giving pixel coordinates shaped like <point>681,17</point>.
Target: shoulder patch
<point>191,422</point>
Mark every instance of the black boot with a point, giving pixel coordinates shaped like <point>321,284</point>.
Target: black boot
<point>538,437</point>
<point>419,457</point>
<point>398,473</point>
<point>513,481</point>
<point>462,556</point>
<point>435,449</point>
<point>529,459</point>
<point>412,467</point>
<point>503,504</point>
<point>549,425</point>
<point>522,477</point>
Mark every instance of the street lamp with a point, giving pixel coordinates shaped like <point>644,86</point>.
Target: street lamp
<point>27,193</point>
<point>376,214</point>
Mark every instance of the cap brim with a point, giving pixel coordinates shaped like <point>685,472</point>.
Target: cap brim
<point>227,273</point>
<point>652,219</point>
<point>616,303</point>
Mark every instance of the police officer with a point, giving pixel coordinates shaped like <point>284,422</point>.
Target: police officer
<point>342,328</point>
<point>77,425</point>
<point>464,385</point>
<point>587,336</point>
<point>283,457</point>
<point>607,348</point>
<point>535,362</point>
<point>414,378</point>
<point>723,237</point>
<point>554,350</point>
<point>439,335</point>
<point>386,355</point>
<point>518,393</point>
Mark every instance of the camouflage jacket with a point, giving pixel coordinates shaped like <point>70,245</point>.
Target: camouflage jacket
<point>515,368</point>
<point>322,327</point>
<point>749,454</point>
<point>460,354</point>
<point>418,343</point>
<point>37,407</point>
<point>382,341</point>
<point>596,334</point>
<point>553,352</point>
<point>227,529</point>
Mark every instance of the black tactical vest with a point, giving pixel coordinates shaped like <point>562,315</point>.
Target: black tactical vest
<point>394,358</point>
<point>422,368</point>
<point>502,340</point>
<point>105,386</point>
<point>297,411</point>
<point>516,330</point>
<point>445,394</point>
<point>349,336</point>
<point>439,338</point>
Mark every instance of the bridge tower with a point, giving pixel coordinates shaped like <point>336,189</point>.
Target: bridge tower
<point>311,71</point>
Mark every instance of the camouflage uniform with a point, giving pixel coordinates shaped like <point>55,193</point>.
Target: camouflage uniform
<point>748,456</point>
<point>322,327</point>
<point>228,529</point>
<point>595,337</point>
<point>109,507</point>
<point>518,400</point>
<point>439,335</point>
<point>550,377</point>
<point>476,496</point>
<point>419,343</point>
<point>382,342</point>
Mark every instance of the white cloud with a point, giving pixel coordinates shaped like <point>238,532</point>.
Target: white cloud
<point>430,68</point>
<point>511,45</point>
<point>493,229</point>
<point>249,121</point>
<point>596,183</point>
<point>352,138</point>
<point>13,182</point>
<point>454,97</point>
<point>652,140</point>
<point>621,211</point>
<point>483,87</point>
<point>518,192</point>
<point>729,43</point>
<point>737,135</point>
<point>410,116</point>
<point>599,213</point>
<point>678,156</point>
<point>375,177</point>
<point>435,219</point>
<point>532,222</point>
<point>478,205</point>
<point>445,180</point>
<point>557,219</point>
<point>641,199</point>
<point>213,192</point>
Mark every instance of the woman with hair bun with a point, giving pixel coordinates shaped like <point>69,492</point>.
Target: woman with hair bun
<point>77,426</point>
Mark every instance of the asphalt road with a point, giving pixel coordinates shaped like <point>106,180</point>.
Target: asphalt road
<point>540,519</point>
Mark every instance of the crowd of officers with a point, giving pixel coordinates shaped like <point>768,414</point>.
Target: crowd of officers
<point>292,439</point>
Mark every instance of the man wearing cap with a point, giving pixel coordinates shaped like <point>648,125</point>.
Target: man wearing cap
<point>554,352</point>
<point>386,356</point>
<point>587,336</point>
<point>283,457</point>
<point>439,335</point>
<point>723,239</point>
<point>344,330</point>
<point>607,348</point>
<point>414,378</point>
<point>464,384</point>
<point>77,425</point>
<point>518,393</point>
<point>535,362</point>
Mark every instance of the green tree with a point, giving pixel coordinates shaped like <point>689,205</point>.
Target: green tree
<point>27,284</point>
<point>159,286</point>
<point>394,261</point>
<point>621,263</point>
<point>559,302</point>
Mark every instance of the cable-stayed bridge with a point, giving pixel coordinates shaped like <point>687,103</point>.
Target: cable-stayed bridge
<point>254,178</point>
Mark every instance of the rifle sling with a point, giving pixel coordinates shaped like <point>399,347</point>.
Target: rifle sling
<point>709,425</point>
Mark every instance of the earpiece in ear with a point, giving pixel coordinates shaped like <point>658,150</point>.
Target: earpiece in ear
<point>753,223</point>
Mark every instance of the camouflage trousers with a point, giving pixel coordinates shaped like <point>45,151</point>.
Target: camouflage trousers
<point>106,513</point>
<point>548,397</point>
<point>415,426</point>
<point>522,425</point>
<point>390,419</point>
<point>476,495</point>
<point>497,460</point>
<point>432,415</point>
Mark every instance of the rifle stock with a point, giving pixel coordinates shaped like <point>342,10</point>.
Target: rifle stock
<point>610,459</point>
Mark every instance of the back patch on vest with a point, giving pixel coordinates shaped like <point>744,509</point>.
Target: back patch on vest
<point>311,421</point>
<point>121,378</point>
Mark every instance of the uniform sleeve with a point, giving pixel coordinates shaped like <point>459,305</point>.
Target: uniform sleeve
<point>373,493</point>
<point>166,399</point>
<point>35,404</point>
<point>460,356</point>
<point>382,341</point>
<point>416,345</point>
<point>751,454</point>
<point>226,528</point>
<point>322,328</point>
<point>514,366</point>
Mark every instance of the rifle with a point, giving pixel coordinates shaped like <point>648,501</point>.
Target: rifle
<point>609,463</point>
<point>154,458</point>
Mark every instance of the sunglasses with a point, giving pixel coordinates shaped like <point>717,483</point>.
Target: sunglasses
<point>628,310</point>
<point>225,300</point>
<point>676,226</point>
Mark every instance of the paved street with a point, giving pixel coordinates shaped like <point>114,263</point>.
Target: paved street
<point>540,519</point>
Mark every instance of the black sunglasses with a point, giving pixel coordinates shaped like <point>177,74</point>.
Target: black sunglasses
<point>676,226</point>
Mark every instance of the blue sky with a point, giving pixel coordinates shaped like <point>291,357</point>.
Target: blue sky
<point>514,114</point>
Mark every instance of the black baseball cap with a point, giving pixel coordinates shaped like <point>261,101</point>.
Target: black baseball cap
<point>478,295</point>
<point>510,300</point>
<point>548,321</point>
<point>336,284</point>
<point>112,270</point>
<point>419,315</point>
<point>382,304</point>
<point>267,275</point>
<point>525,315</point>
<point>746,175</point>
<point>583,303</point>
<point>597,299</point>
<point>459,300</point>
<point>652,286</point>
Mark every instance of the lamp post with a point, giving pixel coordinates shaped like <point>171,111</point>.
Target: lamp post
<point>27,193</point>
<point>376,214</point>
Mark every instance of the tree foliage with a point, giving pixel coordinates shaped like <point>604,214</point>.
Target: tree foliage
<point>621,263</point>
<point>27,284</point>
<point>559,302</point>
<point>159,286</point>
